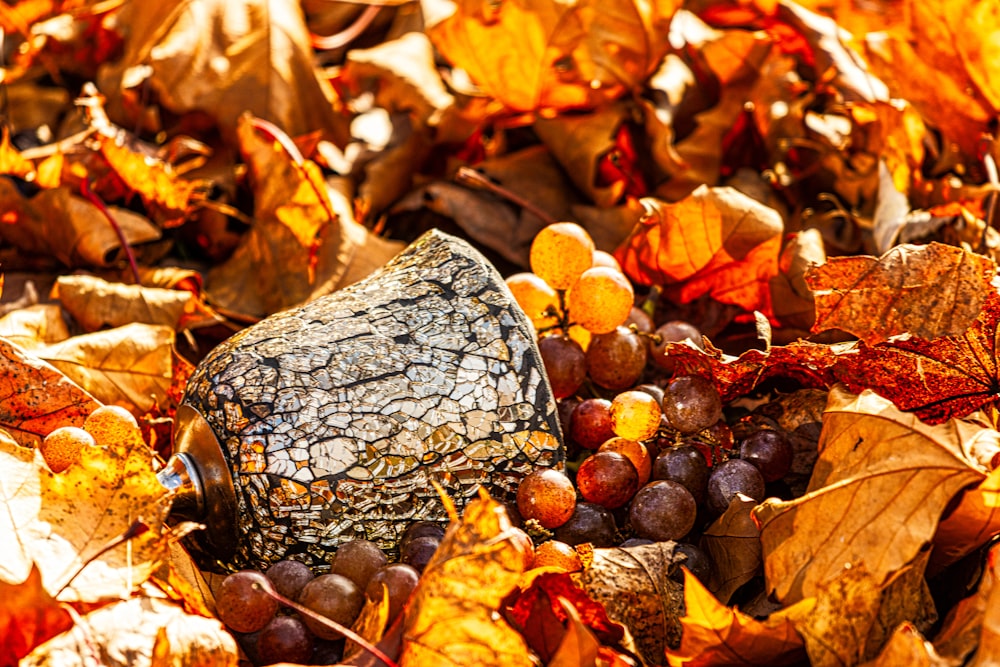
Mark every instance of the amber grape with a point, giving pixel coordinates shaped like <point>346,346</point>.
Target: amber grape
<point>600,300</point>
<point>560,253</point>
<point>536,298</point>
<point>547,496</point>
<point>634,451</point>
<point>608,479</point>
<point>635,414</point>
<point>61,448</point>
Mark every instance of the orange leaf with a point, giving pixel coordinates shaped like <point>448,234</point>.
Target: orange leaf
<point>717,241</point>
<point>714,634</point>
<point>28,617</point>
<point>928,291</point>
<point>11,162</point>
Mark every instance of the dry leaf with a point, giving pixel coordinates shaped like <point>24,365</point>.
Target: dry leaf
<point>370,624</point>
<point>578,647</point>
<point>59,224</point>
<point>927,291</point>
<point>867,506</point>
<point>635,586</point>
<point>140,632</point>
<point>35,325</point>
<point>972,523</point>
<point>132,365</point>
<point>222,58</point>
<point>733,544</point>
<point>29,616</point>
<point>972,625</point>
<point>716,635</point>
<point>717,242</point>
<point>552,55</point>
<point>37,397</point>
<point>97,304</point>
<point>908,647</point>
<point>452,615</point>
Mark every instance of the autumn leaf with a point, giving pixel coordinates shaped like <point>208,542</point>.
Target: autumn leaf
<point>926,291</point>
<point>451,618</point>
<point>29,616</point>
<point>974,521</point>
<point>717,242</point>
<point>36,325</point>
<point>867,506</point>
<point>972,625</point>
<point>714,634</point>
<point>733,543</point>
<point>948,377</point>
<point>11,162</point>
<point>37,398</point>
<point>907,646</point>
<point>535,56</point>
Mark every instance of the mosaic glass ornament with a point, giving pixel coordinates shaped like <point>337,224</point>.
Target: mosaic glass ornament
<point>331,421</point>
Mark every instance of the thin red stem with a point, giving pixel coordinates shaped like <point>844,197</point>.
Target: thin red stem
<point>96,201</point>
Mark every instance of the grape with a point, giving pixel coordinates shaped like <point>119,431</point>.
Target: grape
<point>691,403</point>
<point>635,415</point>
<point>61,448</point>
<point>653,390</point>
<point>695,560</point>
<point>547,496</point>
<point>590,424</point>
<point>640,319</point>
<point>686,465</point>
<point>418,551</point>
<point>608,479</point>
<point>535,297</point>
<point>600,300</point>
<point>770,451</point>
<point>241,602</point>
<point>634,451</point>
<point>288,577</point>
<point>399,580</point>
<point>589,523</point>
<point>663,510</point>
<point>565,364</point>
<point>285,639</point>
<point>560,253</point>
<point>675,331</point>
<point>334,596</point>
<point>553,553</point>
<point>636,542</point>
<point>602,258</point>
<point>358,560</point>
<point>732,477</point>
<point>421,529</point>
<point>112,425</point>
<point>616,360</point>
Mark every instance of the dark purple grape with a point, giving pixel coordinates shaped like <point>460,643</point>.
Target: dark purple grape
<point>419,551</point>
<point>565,364</point>
<point>589,523</point>
<point>285,639</point>
<point>663,510</point>
<point>732,477</point>
<point>674,331</point>
<point>241,602</point>
<point>696,560</point>
<point>590,424</point>
<point>334,596</point>
<point>358,560</point>
<point>399,580</point>
<point>691,403</point>
<point>289,576</point>
<point>636,542</point>
<point>771,451</point>
<point>686,465</point>
<point>421,529</point>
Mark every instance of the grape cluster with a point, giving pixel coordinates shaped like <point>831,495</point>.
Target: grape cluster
<point>269,632</point>
<point>652,455</point>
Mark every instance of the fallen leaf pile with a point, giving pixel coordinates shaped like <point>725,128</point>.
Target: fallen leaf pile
<point>812,184</point>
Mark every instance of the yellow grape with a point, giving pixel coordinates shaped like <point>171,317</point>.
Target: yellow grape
<point>535,296</point>
<point>61,448</point>
<point>635,415</point>
<point>113,426</point>
<point>602,258</point>
<point>560,252</point>
<point>600,300</point>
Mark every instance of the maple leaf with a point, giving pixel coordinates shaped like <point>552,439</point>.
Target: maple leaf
<point>36,325</point>
<point>950,376</point>
<point>714,634</point>
<point>717,241</point>
<point>552,55</point>
<point>926,291</point>
<point>28,617</point>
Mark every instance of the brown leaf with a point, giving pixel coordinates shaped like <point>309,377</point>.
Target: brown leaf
<point>452,615</point>
<point>733,543</point>
<point>37,397</point>
<point>370,624</point>
<point>927,291</point>
<point>132,365</point>
<point>717,242</point>
<point>97,304</point>
<point>635,586</point>
<point>866,506</point>
<point>972,523</point>
<point>59,224</point>
<point>714,634</point>
<point>222,58</point>
<point>552,55</point>
<point>908,647</point>
<point>294,251</point>
<point>29,616</point>
<point>140,632</point>
<point>35,325</point>
<point>793,303</point>
<point>972,625</point>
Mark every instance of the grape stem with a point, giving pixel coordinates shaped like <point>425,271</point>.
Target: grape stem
<point>330,623</point>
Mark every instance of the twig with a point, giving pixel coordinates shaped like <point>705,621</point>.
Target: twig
<point>96,201</point>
